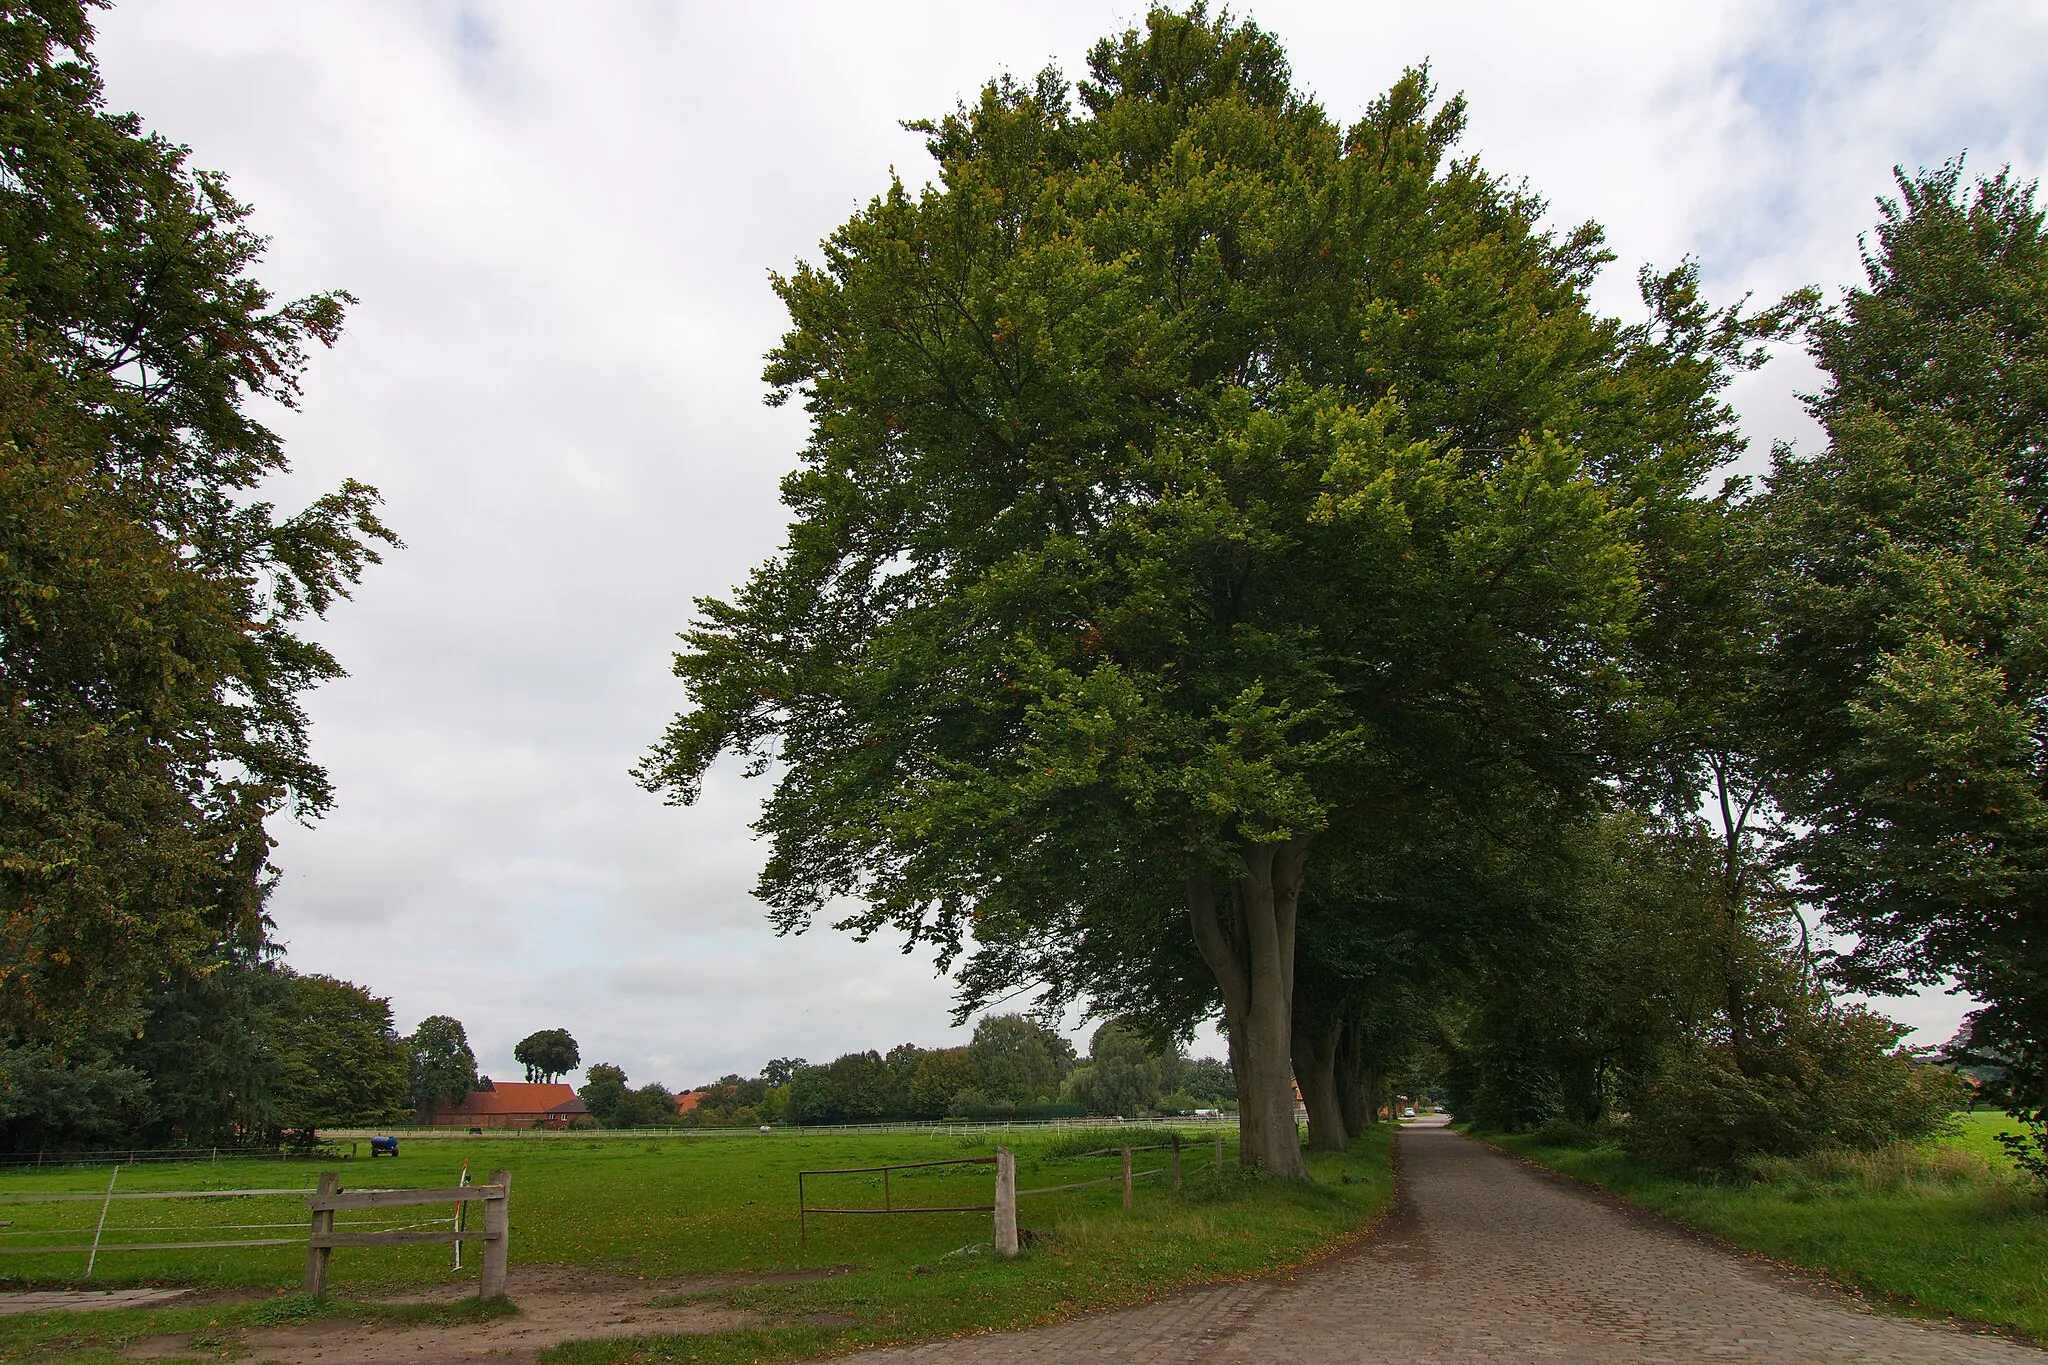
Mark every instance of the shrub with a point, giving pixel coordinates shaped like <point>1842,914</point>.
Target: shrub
<point>1571,1133</point>
<point>1827,1076</point>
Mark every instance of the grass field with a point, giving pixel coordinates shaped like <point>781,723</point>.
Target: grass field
<point>672,1207</point>
<point>1942,1229</point>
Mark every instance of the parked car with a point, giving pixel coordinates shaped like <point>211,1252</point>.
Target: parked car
<point>1408,1113</point>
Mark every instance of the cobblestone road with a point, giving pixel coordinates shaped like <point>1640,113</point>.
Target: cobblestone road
<point>1485,1260</point>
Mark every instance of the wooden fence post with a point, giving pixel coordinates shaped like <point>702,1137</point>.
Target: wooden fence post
<point>323,1225</point>
<point>1176,1163</point>
<point>1006,1202</point>
<point>1127,1180</point>
<point>497,1232</point>
<point>1219,1153</point>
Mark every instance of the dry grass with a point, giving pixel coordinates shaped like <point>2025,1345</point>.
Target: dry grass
<point>1903,1167</point>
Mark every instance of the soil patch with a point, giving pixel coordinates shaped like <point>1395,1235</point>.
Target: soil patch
<point>555,1303</point>
<point>73,1300</point>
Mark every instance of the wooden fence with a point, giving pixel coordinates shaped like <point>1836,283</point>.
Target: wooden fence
<point>1004,1206</point>
<point>495,1194</point>
<point>323,1202</point>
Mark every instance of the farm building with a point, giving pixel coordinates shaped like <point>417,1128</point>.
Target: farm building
<point>513,1104</point>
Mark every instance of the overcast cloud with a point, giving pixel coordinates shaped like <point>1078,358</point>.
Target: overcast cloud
<point>559,219</point>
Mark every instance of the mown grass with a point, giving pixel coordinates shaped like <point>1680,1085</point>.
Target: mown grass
<point>696,1206</point>
<point>1943,1228</point>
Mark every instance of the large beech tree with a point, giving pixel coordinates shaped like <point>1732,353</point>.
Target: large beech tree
<point>1192,481</point>
<point>152,665</point>
<point>1910,647</point>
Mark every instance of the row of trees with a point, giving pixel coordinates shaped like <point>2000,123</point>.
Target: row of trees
<point>1014,1067</point>
<point>1234,573</point>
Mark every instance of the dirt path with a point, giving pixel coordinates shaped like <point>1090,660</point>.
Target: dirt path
<point>1486,1260</point>
<point>556,1304</point>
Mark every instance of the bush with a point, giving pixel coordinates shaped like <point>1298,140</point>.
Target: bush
<point>1571,1133</point>
<point>978,1104</point>
<point>1826,1077</point>
<point>1082,1141</point>
<point>651,1106</point>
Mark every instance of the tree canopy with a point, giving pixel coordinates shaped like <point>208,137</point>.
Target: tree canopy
<point>547,1055</point>
<point>153,601</point>
<point>1907,602</point>
<point>1194,483</point>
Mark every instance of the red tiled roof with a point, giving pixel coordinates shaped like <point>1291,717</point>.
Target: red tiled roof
<point>513,1097</point>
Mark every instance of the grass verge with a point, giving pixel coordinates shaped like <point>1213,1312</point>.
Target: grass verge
<point>677,1209</point>
<point>1940,1229</point>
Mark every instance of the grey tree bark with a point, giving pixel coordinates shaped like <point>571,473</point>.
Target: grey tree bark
<point>1246,935</point>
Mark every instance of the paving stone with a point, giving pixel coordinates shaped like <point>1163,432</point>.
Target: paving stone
<point>1485,1259</point>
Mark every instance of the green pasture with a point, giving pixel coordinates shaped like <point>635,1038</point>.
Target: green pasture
<point>697,1205</point>
<point>1943,1228</point>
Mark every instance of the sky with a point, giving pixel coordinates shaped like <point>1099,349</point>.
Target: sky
<point>559,221</point>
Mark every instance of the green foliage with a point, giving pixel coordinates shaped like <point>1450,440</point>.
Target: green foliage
<point>859,1087</point>
<point>1193,482</point>
<point>547,1055</point>
<point>2028,1151</point>
<point>735,1101</point>
<point>1121,1076</point>
<point>1907,607</point>
<point>1206,1081</point>
<point>440,1068</point>
<point>1823,1076</point>
<point>941,1074</point>
<point>340,1062</point>
<point>651,1106</point>
<point>151,665</point>
<point>1020,1061</point>
<point>603,1091</point>
<point>778,1071</point>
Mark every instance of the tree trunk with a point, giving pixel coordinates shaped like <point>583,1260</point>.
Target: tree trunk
<point>1315,1071</point>
<point>1247,938</point>
<point>1351,1080</point>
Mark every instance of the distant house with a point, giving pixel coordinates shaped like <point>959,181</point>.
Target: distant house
<point>514,1104</point>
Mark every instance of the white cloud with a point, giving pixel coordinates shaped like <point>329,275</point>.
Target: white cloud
<point>559,221</point>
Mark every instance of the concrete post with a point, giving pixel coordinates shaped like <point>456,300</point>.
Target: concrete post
<point>1006,1202</point>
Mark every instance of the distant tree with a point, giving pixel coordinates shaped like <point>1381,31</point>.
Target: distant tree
<point>859,1087</point>
<point>547,1055</point>
<point>1207,1081</point>
<point>940,1076</point>
<point>651,1106</point>
<point>1020,1061</point>
<point>440,1067</point>
<point>730,1101</point>
<point>604,1090</point>
<point>781,1069</point>
<point>339,1059</point>
<point>1121,1075</point>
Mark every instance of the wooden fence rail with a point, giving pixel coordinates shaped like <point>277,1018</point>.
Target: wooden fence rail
<point>1006,1194</point>
<point>495,1195</point>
